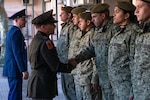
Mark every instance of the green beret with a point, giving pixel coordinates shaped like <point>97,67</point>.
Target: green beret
<point>45,18</point>
<point>148,1</point>
<point>78,10</point>
<point>67,9</point>
<point>92,7</point>
<point>100,8</point>
<point>85,15</point>
<point>127,6</point>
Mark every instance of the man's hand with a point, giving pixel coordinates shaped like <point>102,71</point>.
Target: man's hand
<point>73,62</point>
<point>25,75</point>
<point>131,98</point>
<point>95,86</point>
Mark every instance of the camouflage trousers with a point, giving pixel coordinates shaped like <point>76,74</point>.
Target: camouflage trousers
<point>121,89</point>
<point>68,86</point>
<point>107,93</point>
<point>86,92</point>
<point>90,94</point>
<point>140,95</point>
<point>106,88</point>
<point>78,89</point>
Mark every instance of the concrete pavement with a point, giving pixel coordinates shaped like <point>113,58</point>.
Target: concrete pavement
<point>4,88</point>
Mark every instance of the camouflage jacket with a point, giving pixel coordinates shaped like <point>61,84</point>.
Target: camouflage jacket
<point>141,68</point>
<point>74,43</point>
<point>99,48</point>
<point>64,41</point>
<point>120,57</point>
<point>86,70</point>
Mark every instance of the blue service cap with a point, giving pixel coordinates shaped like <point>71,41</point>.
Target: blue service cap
<point>18,14</point>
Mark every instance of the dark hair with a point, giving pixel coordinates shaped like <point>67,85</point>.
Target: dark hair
<point>107,12</point>
<point>132,17</point>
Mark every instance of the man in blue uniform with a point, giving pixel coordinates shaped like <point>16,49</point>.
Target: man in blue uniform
<point>15,67</point>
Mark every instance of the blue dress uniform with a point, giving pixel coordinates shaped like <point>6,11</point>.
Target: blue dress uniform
<point>15,59</point>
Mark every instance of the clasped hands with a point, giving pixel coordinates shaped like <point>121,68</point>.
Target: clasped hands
<point>73,62</point>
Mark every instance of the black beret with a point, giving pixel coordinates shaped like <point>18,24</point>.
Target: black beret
<point>78,10</point>
<point>100,8</point>
<point>67,9</point>
<point>18,14</point>
<point>45,18</point>
<point>127,6</point>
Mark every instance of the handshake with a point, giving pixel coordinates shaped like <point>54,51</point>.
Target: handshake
<point>67,68</point>
<point>72,62</point>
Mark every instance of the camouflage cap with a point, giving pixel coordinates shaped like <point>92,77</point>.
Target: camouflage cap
<point>78,10</point>
<point>45,18</point>
<point>127,6</point>
<point>100,8</point>
<point>67,9</point>
<point>148,1</point>
<point>85,15</point>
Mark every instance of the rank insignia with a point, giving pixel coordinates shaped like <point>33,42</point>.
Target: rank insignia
<point>49,44</point>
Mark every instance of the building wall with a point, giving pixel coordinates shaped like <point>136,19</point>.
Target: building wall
<point>12,6</point>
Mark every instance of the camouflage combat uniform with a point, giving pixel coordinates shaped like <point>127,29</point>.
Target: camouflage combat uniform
<point>62,50</point>
<point>120,55</point>
<point>74,44</point>
<point>141,68</point>
<point>99,48</point>
<point>85,73</point>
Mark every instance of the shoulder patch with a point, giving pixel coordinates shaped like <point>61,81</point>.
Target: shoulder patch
<point>49,44</point>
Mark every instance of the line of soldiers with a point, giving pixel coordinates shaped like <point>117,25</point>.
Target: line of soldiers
<point>111,55</point>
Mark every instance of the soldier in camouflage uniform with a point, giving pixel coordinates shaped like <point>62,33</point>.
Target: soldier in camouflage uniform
<point>141,68</point>
<point>77,32</point>
<point>120,50</point>
<point>74,45</point>
<point>62,50</point>
<point>87,73</point>
<point>99,47</point>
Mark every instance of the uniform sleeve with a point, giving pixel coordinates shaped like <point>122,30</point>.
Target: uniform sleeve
<point>94,79</point>
<point>71,32</point>
<point>132,52</point>
<point>18,47</point>
<point>49,54</point>
<point>131,92</point>
<point>86,53</point>
<point>132,44</point>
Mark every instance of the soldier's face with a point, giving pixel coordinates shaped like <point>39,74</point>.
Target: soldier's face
<point>119,17</point>
<point>64,16</point>
<point>75,19</point>
<point>97,19</point>
<point>82,24</point>
<point>142,11</point>
<point>49,28</point>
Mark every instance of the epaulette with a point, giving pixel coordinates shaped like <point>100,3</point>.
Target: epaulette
<point>49,44</point>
